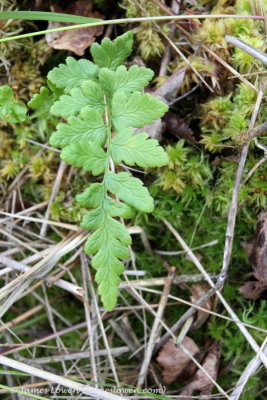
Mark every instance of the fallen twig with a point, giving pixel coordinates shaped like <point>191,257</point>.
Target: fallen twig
<point>234,200</point>
<point>198,264</point>
<point>32,371</point>
<point>247,48</point>
<point>155,331</point>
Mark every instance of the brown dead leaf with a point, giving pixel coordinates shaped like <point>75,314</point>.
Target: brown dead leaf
<point>174,360</point>
<point>258,257</point>
<point>201,383</point>
<point>256,249</point>
<point>178,127</point>
<point>169,88</point>
<point>248,246</point>
<point>253,289</point>
<point>153,130</point>
<point>76,40</point>
<point>198,291</point>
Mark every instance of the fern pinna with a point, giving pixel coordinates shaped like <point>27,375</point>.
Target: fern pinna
<point>102,101</point>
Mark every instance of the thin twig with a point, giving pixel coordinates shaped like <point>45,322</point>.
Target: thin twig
<point>56,186</point>
<point>247,48</point>
<point>103,332</point>
<point>250,370</point>
<point>88,317</point>
<point>234,200</point>
<point>147,306</point>
<point>254,132</point>
<point>161,281</point>
<point>188,314</point>
<point>86,389</point>
<point>198,264</point>
<point>116,351</point>
<point>176,253</point>
<point>65,285</point>
<point>155,331</point>
<point>254,168</point>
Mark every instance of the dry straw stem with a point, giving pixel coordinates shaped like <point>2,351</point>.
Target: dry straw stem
<point>56,186</point>
<point>26,211</point>
<point>136,295</point>
<point>23,316</point>
<point>32,219</point>
<point>231,69</point>
<point>176,253</point>
<point>250,370</point>
<point>102,329</point>
<point>61,283</point>
<point>87,311</point>
<point>197,263</point>
<point>247,48</point>
<point>234,200</point>
<point>64,247</point>
<point>115,351</point>
<point>126,337</point>
<point>32,371</point>
<point>155,331</point>
<point>187,315</point>
<point>19,347</point>
<point>254,168</point>
<point>194,305</point>
<point>254,132</point>
<point>253,365</point>
<point>161,281</point>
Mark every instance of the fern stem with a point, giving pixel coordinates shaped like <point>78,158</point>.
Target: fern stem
<point>108,142</point>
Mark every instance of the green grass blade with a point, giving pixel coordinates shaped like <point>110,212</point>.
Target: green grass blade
<point>46,16</point>
<point>97,22</point>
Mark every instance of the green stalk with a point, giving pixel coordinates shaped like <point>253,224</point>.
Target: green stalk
<point>46,16</point>
<point>108,124</point>
<point>132,20</point>
<point>108,143</point>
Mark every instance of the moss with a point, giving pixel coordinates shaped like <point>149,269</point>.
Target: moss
<point>150,42</point>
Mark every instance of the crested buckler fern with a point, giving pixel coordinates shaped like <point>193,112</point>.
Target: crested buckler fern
<point>102,102</point>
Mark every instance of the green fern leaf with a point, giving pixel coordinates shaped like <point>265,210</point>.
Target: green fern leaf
<point>130,190</point>
<point>137,149</point>
<point>94,195</point>
<point>112,54</point>
<point>135,110</point>
<point>125,80</point>
<point>41,102</point>
<point>69,105</point>
<point>42,99</point>
<point>90,127</point>
<point>90,94</point>
<point>10,111</point>
<point>89,156</point>
<point>73,73</point>
<point>108,244</point>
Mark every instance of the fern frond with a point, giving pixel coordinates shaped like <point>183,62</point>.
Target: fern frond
<point>101,102</point>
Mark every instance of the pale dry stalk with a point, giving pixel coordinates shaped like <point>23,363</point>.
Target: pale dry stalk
<point>155,331</point>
